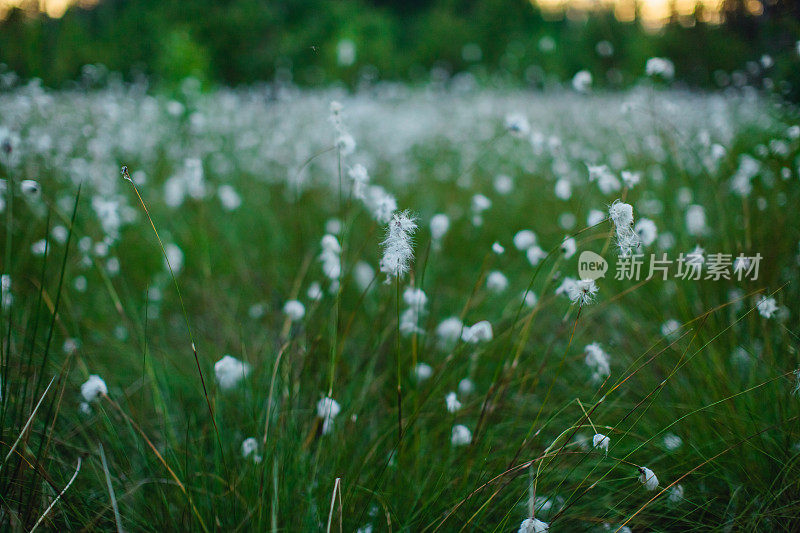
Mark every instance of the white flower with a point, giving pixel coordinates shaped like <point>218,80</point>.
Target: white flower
<point>535,254</point>
<point>563,189</point>
<point>696,220</point>
<point>249,447</point>
<point>480,331</point>
<point>496,281</point>
<point>766,307</point>
<point>601,442</point>
<point>503,184</point>
<point>229,198</point>
<point>466,386</point>
<point>498,248</point>
<point>363,275</point>
<point>93,387</point>
<point>174,257</point>
<point>646,230</point>
<point>229,371</point>
<point>315,291</point>
<point>440,223</point>
<point>331,264</point>
<point>360,179</point>
<point>621,214</point>
<point>59,234</point>
<point>452,403</point>
<point>449,331</point>
<point>524,239</point>
<point>595,217</point>
<point>381,204</point>
<point>327,410</point>
<point>582,292</point>
<point>533,525</point>
<point>461,435</point>
<point>529,297</point>
<point>582,81</point>
<point>659,66</point>
<point>568,247</point>
<point>423,371</point>
<point>675,494</point>
<point>672,441</point>
<point>30,188</point>
<point>517,125</point>
<point>631,179</point>
<point>648,478</point>
<point>597,360</point>
<point>294,309</point>
<point>480,203</point>
<point>607,182</point>
<point>39,247</point>
<point>669,327</point>
<point>415,297</point>
<point>398,246</point>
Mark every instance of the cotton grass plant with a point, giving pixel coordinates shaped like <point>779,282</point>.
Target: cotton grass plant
<point>274,382</point>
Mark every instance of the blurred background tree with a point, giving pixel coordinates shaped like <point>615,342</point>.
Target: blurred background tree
<point>313,42</point>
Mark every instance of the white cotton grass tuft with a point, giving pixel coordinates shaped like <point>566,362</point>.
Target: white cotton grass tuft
<point>294,309</point>
<point>440,224</point>
<point>478,332</point>
<point>648,478</point>
<point>582,292</point>
<point>498,248</point>
<point>229,371</point>
<point>423,371</point>
<point>249,449</point>
<point>461,435</point>
<point>672,442</point>
<point>398,247</point>
<point>533,525</point>
<point>480,203</point>
<point>598,361</point>
<point>675,494</point>
<point>327,410</point>
<point>358,173</point>
<point>416,301</point>
<point>452,403</point>
<point>582,81</point>
<point>466,386</point>
<point>568,247</point>
<point>93,387</point>
<point>696,220</point>
<point>621,215</point>
<point>496,281</point>
<point>524,239</point>
<point>601,442</point>
<point>449,331</point>
<point>331,250</point>
<point>30,188</point>
<point>646,230</point>
<point>517,125</point>
<point>766,306</point>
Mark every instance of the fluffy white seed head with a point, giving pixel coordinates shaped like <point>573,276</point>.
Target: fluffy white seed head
<point>93,387</point>
<point>294,309</point>
<point>461,435</point>
<point>582,292</point>
<point>648,478</point>
<point>533,525</point>
<point>398,247</point>
<point>478,332</point>
<point>601,442</point>
<point>229,371</point>
<point>452,403</point>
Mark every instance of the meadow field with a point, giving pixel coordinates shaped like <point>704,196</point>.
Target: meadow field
<point>283,309</point>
